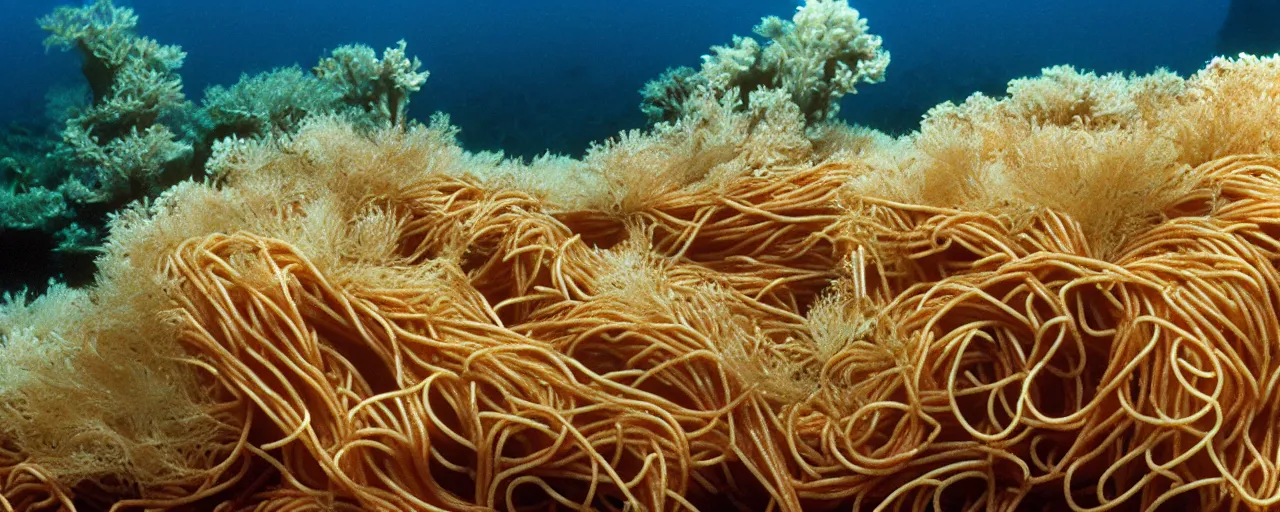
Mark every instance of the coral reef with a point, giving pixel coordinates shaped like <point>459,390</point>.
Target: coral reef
<point>118,148</point>
<point>1062,298</point>
<point>136,134</point>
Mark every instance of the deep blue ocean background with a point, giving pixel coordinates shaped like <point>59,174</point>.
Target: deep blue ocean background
<point>526,76</point>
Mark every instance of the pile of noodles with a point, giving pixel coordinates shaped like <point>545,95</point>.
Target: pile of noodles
<point>773,342</point>
<point>977,367</point>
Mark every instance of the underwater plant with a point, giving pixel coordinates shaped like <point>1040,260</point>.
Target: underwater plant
<point>1061,298</point>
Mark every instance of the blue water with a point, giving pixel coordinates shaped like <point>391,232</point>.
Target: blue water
<point>527,76</point>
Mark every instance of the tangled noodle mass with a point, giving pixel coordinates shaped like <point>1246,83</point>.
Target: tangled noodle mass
<point>778,344</point>
<point>1063,300</point>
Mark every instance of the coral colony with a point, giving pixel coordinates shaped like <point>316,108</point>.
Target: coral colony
<point>1064,298</point>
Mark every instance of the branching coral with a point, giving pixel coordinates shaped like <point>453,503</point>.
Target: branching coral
<point>104,35</point>
<point>119,147</point>
<point>134,81</point>
<point>380,87</point>
<point>268,104</point>
<point>137,134</point>
<point>818,57</point>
